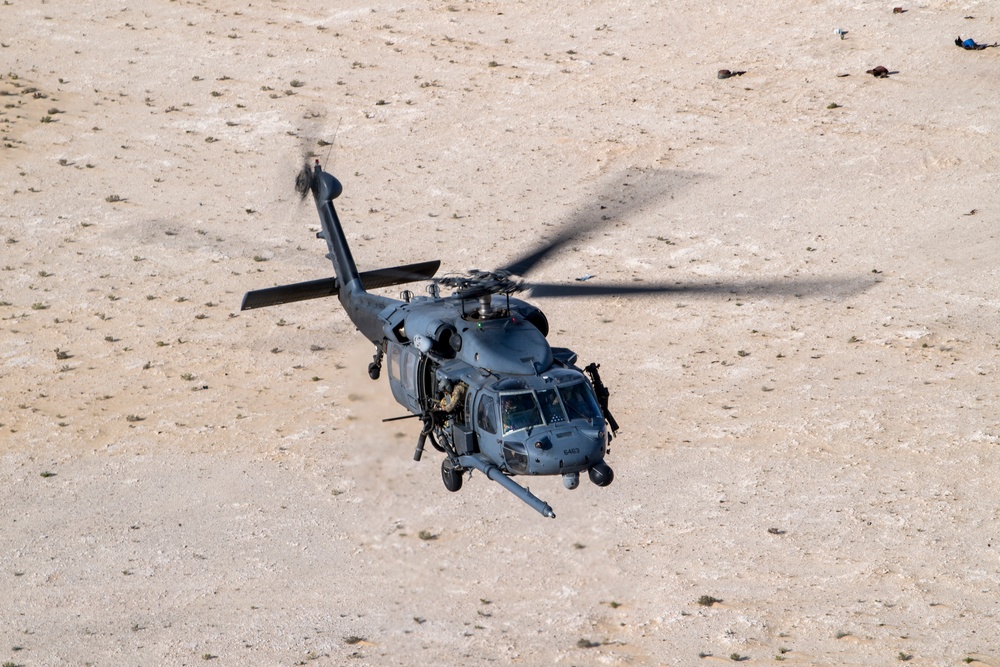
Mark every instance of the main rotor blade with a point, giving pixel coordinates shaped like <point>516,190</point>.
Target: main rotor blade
<point>780,287</point>
<point>615,199</point>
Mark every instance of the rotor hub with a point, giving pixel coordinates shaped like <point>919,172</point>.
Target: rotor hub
<point>481,285</point>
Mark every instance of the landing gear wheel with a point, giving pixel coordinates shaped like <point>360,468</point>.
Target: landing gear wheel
<point>452,478</point>
<point>375,367</point>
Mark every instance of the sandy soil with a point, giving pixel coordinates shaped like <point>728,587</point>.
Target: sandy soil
<point>187,483</point>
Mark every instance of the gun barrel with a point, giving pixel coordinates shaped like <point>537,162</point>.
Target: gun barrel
<point>494,473</point>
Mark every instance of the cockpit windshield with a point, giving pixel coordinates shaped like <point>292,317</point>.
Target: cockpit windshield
<point>519,411</point>
<point>580,402</point>
<point>526,409</point>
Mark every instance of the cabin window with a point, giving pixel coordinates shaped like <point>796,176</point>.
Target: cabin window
<point>410,361</point>
<point>486,415</point>
<point>394,362</point>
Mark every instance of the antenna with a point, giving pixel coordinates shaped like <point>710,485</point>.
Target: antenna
<point>333,143</point>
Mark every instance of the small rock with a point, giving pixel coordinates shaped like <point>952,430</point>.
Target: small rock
<point>725,73</point>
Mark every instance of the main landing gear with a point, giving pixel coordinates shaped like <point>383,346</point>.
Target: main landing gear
<point>375,367</point>
<point>450,475</point>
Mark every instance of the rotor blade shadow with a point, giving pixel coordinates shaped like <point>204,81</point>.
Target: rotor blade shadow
<point>617,197</point>
<point>779,287</point>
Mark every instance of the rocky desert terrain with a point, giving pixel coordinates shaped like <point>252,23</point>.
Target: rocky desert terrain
<point>807,470</point>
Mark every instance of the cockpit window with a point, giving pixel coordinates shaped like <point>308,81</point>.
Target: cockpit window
<point>519,411</point>
<point>484,416</point>
<point>552,409</point>
<point>580,402</point>
<point>526,409</point>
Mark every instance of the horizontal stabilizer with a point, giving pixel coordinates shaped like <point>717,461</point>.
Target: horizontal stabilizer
<point>272,296</point>
<point>315,289</point>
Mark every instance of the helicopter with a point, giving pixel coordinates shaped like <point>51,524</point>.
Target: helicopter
<point>475,366</point>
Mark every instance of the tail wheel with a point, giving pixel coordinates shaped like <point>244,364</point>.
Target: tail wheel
<point>451,476</point>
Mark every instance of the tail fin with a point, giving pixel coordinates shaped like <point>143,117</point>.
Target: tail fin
<point>325,189</point>
<point>349,286</point>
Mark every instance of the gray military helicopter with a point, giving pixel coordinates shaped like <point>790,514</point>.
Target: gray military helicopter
<point>475,365</point>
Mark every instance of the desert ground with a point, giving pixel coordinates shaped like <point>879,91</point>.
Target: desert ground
<point>807,467</point>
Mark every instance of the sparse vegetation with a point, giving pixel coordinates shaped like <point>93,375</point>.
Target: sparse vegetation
<point>708,600</point>
<point>132,419</point>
